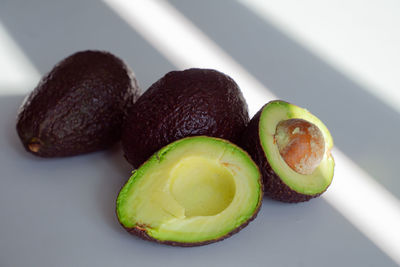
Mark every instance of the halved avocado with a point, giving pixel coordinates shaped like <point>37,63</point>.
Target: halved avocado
<point>280,132</point>
<point>195,191</point>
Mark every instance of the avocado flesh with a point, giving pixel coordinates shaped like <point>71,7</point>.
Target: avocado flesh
<point>310,184</point>
<point>194,191</point>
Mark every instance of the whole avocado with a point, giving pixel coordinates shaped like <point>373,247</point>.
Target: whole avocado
<point>181,104</point>
<point>78,107</point>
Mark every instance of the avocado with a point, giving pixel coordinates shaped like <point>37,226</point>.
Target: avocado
<point>292,149</point>
<point>192,192</point>
<point>180,104</point>
<point>78,107</point>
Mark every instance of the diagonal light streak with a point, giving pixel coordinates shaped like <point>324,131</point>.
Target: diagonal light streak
<point>185,45</point>
<point>17,72</point>
<point>366,204</point>
<point>361,42</point>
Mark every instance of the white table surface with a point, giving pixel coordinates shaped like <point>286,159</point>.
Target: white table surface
<point>61,212</point>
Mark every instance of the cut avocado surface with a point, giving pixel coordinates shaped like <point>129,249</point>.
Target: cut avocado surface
<point>263,139</point>
<point>195,191</point>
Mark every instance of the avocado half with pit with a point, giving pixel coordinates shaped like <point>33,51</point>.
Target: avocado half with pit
<point>195,191</point>
<point>292,148</point>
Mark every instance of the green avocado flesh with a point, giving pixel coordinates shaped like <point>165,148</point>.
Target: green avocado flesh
<point>194,190</point>
<point>307,184</point>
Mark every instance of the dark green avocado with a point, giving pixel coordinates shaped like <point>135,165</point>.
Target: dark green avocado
<point>192,192</point>
<point>292,149</point>
<point>78,107</point>
<point>184,103</point>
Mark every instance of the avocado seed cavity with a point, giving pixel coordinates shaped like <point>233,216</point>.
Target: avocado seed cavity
<point>301,144</point>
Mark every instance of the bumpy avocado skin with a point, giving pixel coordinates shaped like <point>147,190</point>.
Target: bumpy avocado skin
<point>181,104</point>
<point>79,106</point>
<point>274,187</point>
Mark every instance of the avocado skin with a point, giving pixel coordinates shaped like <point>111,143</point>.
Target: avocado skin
<point>79,106</point>
<point>181,104</point>
<point>274,187</point>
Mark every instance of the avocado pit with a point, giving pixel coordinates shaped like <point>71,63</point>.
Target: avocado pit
<point>301,144</point>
